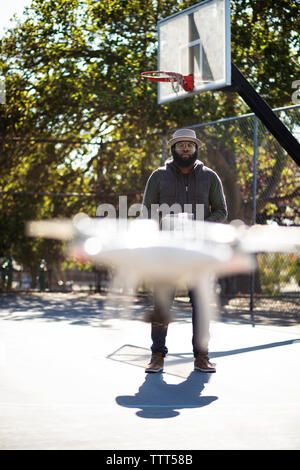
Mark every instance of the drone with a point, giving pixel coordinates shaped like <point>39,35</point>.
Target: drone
<point>167,254</point>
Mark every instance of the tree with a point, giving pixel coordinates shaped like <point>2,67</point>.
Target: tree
<point>72,74</point>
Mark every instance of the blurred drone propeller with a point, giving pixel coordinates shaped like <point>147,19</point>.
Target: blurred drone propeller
<point>270,238</point>
<point>58,229</point>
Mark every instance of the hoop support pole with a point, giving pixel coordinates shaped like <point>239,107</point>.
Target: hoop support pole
<point>265,114</point>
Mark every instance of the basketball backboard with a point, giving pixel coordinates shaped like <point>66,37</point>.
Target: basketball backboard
<point>196,41</point>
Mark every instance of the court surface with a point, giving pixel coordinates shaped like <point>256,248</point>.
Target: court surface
<point>72,377</point>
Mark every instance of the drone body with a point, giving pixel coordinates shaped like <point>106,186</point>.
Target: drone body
<point>185,251</point>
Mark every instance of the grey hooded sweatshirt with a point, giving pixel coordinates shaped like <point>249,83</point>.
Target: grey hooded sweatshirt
<point>201,186</point>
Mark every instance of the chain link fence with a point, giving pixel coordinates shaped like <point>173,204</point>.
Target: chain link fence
<point>262,185</point>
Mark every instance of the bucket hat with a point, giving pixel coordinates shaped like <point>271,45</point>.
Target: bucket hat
<point>185,135</point>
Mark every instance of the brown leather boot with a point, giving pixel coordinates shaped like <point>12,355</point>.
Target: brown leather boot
<point>203,364</point>
<point>156,363</point>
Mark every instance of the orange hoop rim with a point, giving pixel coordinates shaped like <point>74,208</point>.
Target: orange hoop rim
<point>187,81</point>
<point>169,76</point>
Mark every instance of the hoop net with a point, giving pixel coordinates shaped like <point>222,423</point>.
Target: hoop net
<point>176,79</point>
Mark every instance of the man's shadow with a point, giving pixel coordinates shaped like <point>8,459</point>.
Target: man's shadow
<point>157,399</point>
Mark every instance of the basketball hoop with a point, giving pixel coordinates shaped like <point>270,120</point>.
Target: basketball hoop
<point>177,80</point>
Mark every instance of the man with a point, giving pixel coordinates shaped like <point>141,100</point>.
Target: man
<point>184,180</point>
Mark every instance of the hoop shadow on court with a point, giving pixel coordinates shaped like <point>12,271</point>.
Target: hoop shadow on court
<point>158,399</point>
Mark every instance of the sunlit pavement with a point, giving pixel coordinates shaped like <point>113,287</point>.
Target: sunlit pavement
<point>73,379</point>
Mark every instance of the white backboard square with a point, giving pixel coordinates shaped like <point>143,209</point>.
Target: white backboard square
<point>196,41</point>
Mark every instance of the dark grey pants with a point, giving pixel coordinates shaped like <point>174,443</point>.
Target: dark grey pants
<point>159,325</point>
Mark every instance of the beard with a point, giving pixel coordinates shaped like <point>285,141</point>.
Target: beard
<point>183,162</point>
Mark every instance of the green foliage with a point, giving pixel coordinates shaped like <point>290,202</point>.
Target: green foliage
<point>277,269</point>
<point>266,45</point>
